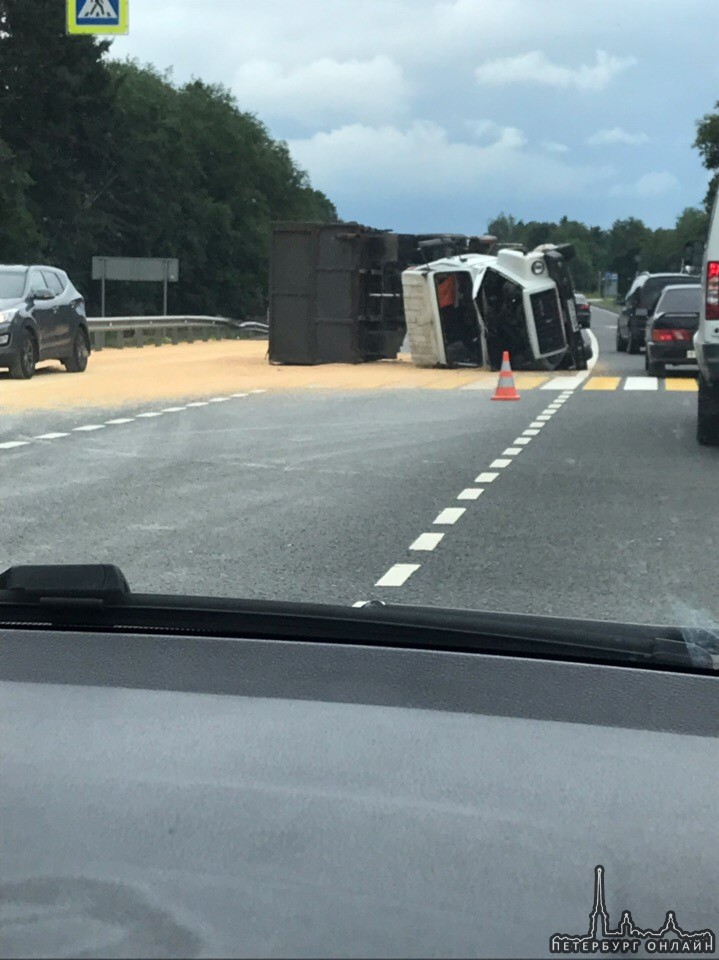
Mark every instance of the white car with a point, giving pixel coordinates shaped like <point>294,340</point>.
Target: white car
<point>706,339</point>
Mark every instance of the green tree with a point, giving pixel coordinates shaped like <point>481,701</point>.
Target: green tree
<point>625,245</point>
<point>56,113</point>
<point>19,236</point>
<point>707,143</point>
<point>505,228</point>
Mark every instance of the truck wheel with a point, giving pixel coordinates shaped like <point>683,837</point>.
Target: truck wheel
<point>708,413</point>
<point>621,341</point>
<point>632,344</point>
<point>23,366</point>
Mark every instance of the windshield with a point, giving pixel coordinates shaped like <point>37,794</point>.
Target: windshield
<point>680,300</point>
<point>12,284</point>
<point>652,289</point>
<point>319,339</point>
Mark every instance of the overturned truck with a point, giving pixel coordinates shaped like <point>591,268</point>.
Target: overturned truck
<point>466,310</point>
<point>347,293</point>
<point>336,289</point>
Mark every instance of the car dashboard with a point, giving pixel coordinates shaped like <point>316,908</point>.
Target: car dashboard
<point>174,795</point>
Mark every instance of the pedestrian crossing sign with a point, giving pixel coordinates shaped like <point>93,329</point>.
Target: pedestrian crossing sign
<point>97,16</point>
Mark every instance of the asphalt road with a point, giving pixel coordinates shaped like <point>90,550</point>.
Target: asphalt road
<point>607,511</point>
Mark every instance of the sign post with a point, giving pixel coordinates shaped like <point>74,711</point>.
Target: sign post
<point>104,271</point>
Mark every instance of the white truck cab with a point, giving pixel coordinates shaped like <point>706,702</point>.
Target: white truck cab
<point>706,339</point>
<point>465,310</point>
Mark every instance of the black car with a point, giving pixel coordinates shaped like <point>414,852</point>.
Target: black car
<point>584,310</point>
<point>42,317</point>
<point>640,304</point>
<point>670,332</point>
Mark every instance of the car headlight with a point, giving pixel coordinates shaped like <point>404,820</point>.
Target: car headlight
<point>538,267</point>
<point>6,316</point>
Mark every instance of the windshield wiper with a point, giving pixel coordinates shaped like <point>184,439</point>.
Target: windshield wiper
<point>99,597</point>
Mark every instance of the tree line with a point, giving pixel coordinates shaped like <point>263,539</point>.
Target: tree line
<point>107,158</point>
<point>628,246</point>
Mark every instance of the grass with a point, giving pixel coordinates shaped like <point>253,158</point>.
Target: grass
<point>606,303</point>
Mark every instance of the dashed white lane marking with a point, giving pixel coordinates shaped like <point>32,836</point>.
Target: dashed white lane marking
<point>641,383</point>
<point>89,427</point>
<point>426,541</point>
<point>470,493</point>
<point>397,575</point>
<point>450,515</point>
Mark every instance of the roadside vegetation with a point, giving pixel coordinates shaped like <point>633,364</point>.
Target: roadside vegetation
<point>111,158</point>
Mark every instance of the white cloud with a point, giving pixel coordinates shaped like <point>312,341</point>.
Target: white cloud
<point>492,133</point>
<point>536,67</point>
<point>323,90</point>
<point>553,146</point>
<point>616,135</point>
<point>421,160</point>
<point>654,184</point>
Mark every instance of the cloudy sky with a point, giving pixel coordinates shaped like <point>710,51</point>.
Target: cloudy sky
<point>438,114</point>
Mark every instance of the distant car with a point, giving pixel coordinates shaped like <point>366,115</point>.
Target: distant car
<point>670,332</point>
<point>640,303</point>
<point>584,310</point>
<point>42,317</point>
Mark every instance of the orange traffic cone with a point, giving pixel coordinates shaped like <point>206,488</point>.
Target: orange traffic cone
<point>505,387</point>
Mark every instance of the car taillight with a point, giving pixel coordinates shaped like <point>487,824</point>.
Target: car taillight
<point>664,336</point>
<point>712,294</point>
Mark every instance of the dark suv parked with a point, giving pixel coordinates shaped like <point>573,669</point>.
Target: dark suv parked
<point>42,317</point>
<point>639,307</point>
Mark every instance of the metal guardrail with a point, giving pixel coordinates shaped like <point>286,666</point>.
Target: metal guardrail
<point>137,331</point>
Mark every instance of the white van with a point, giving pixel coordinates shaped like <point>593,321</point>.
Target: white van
<point>706,339</point>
